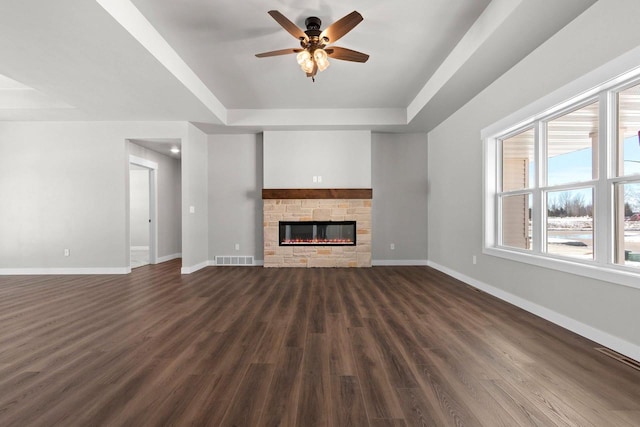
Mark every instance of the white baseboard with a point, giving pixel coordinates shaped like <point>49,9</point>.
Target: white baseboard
<point>621,346</point>
<point>383,262</point>
<point>194,268</point>
<point>53,271</point>
<point>168,257</point>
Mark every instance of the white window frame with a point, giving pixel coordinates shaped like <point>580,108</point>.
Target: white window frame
<point>600,85</point>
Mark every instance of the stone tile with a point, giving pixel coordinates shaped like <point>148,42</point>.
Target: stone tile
<point>285,250</point>
<point>322,262</point>
<point>274,208</point>
<point>322,214</point>
<point>364,260</point>
<point>271,234</point>
<point>304,250</point>
<point>363,248</point>
<point>364,238</point>
<point>359,211</point>
<point>343,262</point>
<point>294,208</point>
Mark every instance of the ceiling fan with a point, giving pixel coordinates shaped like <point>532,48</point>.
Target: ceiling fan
<point>314,52</point>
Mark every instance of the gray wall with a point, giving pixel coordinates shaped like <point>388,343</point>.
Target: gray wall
<point>50,175</point>
<point>341,158</point>
<point>195,225</point>
<point>169,188</point>
<point>64,185</point>
<point>235,195</point>
<point>602,33</point>
<point>399,214</point>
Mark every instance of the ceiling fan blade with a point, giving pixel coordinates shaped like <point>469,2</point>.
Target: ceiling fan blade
<point>345,54</point>
<point>291,28</point>
<point>277,52</point>
<point>342,26</point>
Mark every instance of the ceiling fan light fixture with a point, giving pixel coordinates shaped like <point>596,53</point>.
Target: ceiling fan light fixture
<point>307,66</point>
<point>320,56</point>
<point>303,57</point>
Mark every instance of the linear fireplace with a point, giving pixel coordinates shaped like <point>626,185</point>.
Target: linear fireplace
<point>317,233</point>
<point>326,207</point>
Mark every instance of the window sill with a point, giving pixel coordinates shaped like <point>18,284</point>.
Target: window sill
<point>618,275</point>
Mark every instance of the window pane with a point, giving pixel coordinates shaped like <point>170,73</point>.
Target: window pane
<point>570,223</point>
<point>572,146</point>
<point>629,131</point>
<point>517,161</point>
<point>516,221</point>
<point>628,224</point>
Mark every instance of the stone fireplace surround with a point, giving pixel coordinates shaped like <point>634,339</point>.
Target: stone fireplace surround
<point>317,205</point>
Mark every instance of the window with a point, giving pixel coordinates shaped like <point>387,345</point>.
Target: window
<point>563,188</point>
<point>627,183</point>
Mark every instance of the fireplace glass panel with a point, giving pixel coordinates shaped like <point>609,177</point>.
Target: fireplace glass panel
<point>318,233</point>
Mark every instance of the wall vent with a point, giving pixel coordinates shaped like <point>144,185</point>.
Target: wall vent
<point>619,357</point>
<point>234,260</point>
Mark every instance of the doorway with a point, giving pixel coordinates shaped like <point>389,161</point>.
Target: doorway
<point>143,212</point>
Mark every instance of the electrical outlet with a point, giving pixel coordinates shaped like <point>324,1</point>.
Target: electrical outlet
<point>315,178</point>
<point>67,252</point>
<point>192,209</point>
<point>392,246</point>
<point>237,246</point>
<point>319,178</point>
<point>475,261</point>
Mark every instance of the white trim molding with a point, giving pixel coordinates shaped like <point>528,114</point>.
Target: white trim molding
<point>401,262</point>
<point>621,346</point>
<point>194,268</point>
<point>168,257</point>
<point>65,271</point>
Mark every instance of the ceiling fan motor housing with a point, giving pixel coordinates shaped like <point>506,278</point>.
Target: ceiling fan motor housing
<point>313,23</point>
<point>313,33</point>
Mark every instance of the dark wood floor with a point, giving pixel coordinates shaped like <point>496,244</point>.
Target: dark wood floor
<point>244,346</point>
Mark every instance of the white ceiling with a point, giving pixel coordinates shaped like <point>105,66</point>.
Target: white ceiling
<point>194,60</point>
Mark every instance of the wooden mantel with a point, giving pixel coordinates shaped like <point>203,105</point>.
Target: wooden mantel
<point>317,193</point>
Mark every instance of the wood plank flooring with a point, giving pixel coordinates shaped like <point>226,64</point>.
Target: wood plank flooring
<point>247,346</point>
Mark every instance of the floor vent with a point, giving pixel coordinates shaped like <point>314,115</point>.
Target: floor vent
<point>233,260</point>
<point>620,357</point>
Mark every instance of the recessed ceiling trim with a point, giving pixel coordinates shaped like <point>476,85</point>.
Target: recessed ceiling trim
<point>318,117</point>
<point>18,96</point>
<point>127,15</point>
<point>491,18</point>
